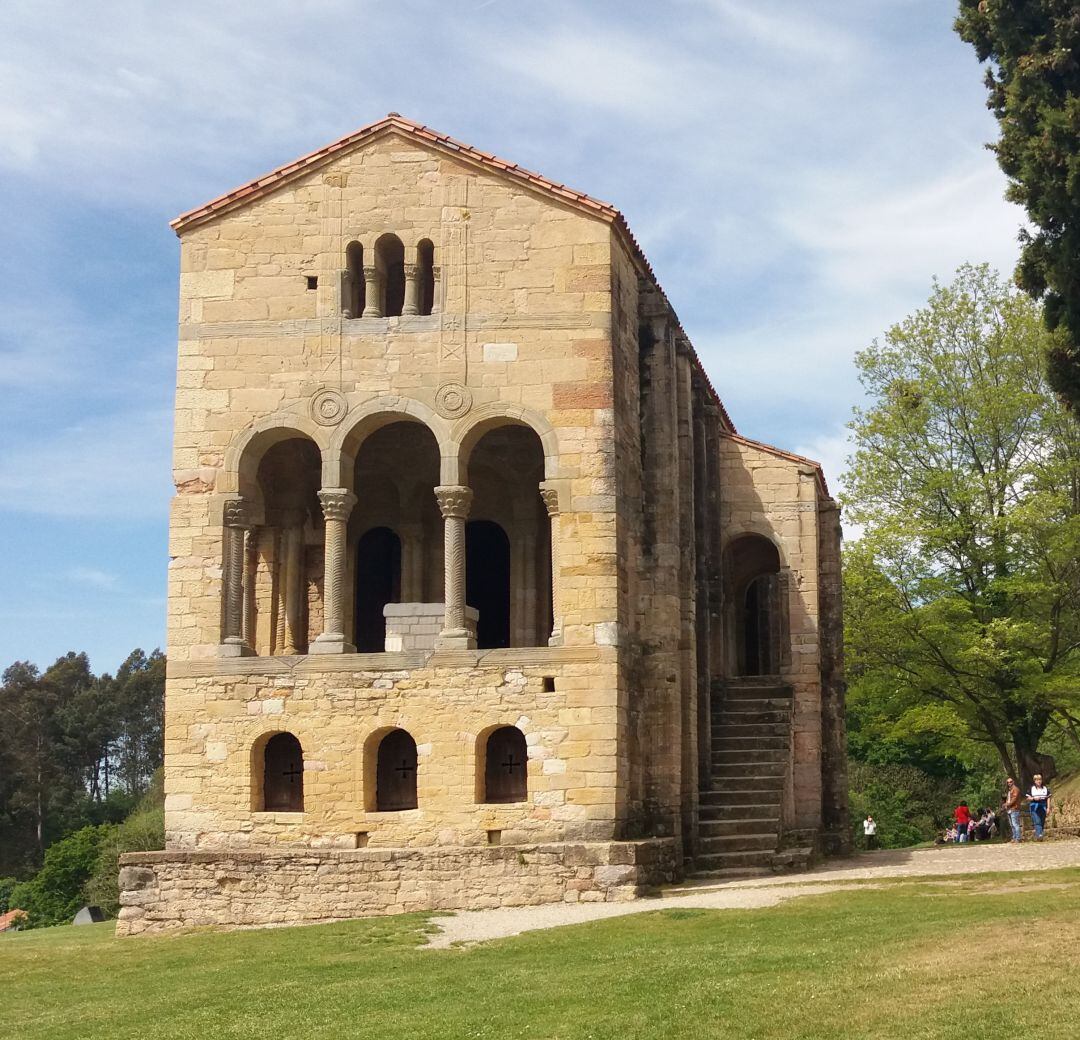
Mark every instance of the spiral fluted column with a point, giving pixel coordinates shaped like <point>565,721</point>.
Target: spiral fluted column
<point>337,505</point>
<point>235,525</point>
<point>454,502</point>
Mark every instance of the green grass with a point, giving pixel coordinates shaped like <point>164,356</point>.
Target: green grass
<point>985,956</point>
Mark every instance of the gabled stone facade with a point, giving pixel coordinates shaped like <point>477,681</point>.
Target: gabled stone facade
<point>468,561</point>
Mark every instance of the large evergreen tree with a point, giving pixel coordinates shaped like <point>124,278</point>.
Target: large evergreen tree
<point>963,595</point>
<point>1033,51</point>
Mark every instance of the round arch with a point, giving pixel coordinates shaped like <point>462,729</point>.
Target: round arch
<point>362,421</point>
<point>466,433</point>
<point>243,455</point>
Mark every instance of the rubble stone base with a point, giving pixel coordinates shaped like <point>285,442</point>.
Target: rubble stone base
<point>173,890</point>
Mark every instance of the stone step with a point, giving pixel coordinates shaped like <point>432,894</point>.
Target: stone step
<point>754,842</point>
<point>753,717</point>
<point>739,804</point>
<point>752,771</point>
<point>748,755</point>
<point>750,742</point>
<point>746,691</point>
<point>763,730</point>
<point>724,828</point>
<point>740,784</point>
<point>748,706</point>
<point>710,861</point>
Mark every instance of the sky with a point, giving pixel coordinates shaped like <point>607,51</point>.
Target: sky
<point>796,173</point>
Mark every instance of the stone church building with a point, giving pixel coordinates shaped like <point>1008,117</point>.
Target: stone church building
<point>476,596</point>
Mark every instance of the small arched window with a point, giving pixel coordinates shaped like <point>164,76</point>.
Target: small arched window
<point>395,773</point>
<point>283,774</point>
<point>506,766</point>
<point>390,261</point>
<point>352,285</point>
<point>425,263</point>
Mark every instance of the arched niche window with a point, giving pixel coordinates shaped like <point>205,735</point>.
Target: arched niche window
<point>390,261</point>
<point>378,568</point>
<point>395,772</point>
<point>505,766</point>
<point>352,285</point>
<point>425,263</point>
<point>283,774</point>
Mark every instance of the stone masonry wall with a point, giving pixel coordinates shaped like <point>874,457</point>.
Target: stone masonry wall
<point>168,891</point>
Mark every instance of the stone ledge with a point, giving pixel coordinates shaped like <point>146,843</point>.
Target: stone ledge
<point>393,661</point>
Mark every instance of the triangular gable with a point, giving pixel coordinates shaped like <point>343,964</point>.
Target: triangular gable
<point>395,123</point>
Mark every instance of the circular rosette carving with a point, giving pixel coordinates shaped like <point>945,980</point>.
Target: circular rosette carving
<point>452,400</point>
<point>328,407</point>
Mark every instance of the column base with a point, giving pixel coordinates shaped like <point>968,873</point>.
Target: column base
<point>555,639</point>
<point>234,648</point>
<point>331,644</point>
<point>455,639</point>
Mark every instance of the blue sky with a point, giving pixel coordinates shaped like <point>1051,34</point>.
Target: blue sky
<point>797,173</point>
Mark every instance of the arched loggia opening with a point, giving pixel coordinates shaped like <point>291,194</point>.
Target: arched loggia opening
<point>285,553</point>
<point>756,607</point>
<point>395,531</point>
<point>508,539</point>
<point>352,286</point>
<point>425,263</point>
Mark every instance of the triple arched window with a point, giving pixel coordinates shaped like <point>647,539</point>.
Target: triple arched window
<point>392,281</point>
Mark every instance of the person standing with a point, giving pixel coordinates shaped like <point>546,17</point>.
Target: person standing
<point>1039,799</point>
<point>962,815</point>
<point>1012,808</point>
<point>869,829</point>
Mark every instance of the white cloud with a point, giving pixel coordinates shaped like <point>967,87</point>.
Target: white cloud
<point>93,576</point>
<point>112,466</point>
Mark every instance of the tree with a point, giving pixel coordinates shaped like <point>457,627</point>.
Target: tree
<point>963,594</point>
<point>1033,79</point>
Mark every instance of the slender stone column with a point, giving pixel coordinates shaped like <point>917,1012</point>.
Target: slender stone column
<point>235,522</point>
<point>436,282</point>
<point>251,566</point>
<point>293,545</point>
<point>550,496</point>
<point>454,502</point>
<point>372,303</point>
<point>528,553</point>
<point>337,504</point>
<point>412,289</point>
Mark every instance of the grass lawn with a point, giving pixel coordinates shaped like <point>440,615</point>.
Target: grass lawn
<point>988,957</point>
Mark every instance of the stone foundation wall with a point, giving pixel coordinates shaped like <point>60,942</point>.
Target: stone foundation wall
<point>168,891</point>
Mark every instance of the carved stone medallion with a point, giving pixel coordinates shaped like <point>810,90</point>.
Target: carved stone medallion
<point>452,400</point>
<point>328,406</point>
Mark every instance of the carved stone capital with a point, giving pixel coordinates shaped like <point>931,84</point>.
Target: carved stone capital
<point>236,513</point>
<point>454,500</point>
<point>412,271</point>
<point>371,273</point>
<point>550,496</point>
<point>337,503</point>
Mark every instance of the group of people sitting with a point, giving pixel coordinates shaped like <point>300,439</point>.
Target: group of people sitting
<point>980,826</point>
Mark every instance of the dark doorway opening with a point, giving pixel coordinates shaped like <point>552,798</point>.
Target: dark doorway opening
<point>757,637</point>
<point>378,582</point>
<point>487,581</point>
<point>283,774</point>
<point>395,773</point>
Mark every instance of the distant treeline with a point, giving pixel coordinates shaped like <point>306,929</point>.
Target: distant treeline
<point>75,749</point>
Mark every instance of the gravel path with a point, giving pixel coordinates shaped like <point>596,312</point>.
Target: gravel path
<point>480,925</point>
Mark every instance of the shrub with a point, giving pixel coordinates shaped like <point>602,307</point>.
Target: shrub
<point>55,893</point>
<point>909,805</point>
<point>142,831</point>
<point>7,885</point>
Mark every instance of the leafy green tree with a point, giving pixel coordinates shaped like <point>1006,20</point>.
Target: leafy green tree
<point>1033,79</point>
<point>963,595</point>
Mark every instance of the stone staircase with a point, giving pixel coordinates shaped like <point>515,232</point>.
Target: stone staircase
<point>739,815</point>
